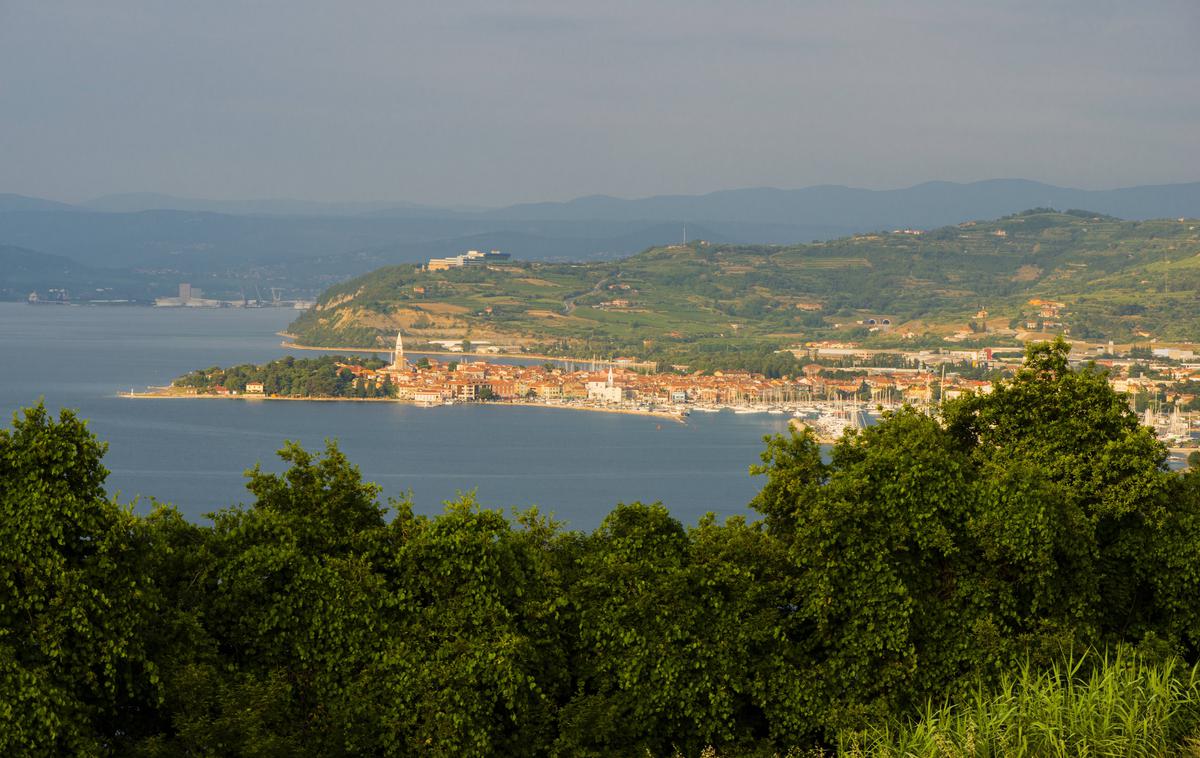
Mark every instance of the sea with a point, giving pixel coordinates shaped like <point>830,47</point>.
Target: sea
<point>193,454</point>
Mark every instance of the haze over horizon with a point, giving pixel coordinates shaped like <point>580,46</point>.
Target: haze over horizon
<point>323,206</point>
<point>149,200</point>
<point>476,106</point>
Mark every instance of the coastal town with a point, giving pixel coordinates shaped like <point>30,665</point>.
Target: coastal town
<point>838,389</point>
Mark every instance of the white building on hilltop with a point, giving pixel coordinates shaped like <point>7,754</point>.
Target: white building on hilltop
<point>469,258</point>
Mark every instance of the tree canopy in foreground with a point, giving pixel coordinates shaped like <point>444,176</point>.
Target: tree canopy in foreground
<point>923,559</point>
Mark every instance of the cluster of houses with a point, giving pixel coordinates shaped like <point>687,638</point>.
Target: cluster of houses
<point>1164,383</point>
<point>1169,376</point>
<point>437,383</point>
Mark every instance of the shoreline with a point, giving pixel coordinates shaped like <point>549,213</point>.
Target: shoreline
<point>531,356</point>
<point>669,415</point>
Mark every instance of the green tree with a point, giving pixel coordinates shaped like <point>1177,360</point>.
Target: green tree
<point>1095,481</point>
<point>878,536</point>
<point>291,600</point>
<point>795,474</point>
<point>1036,516</point>
<point>473,662</point>
<point>75,602</point>
<point>683,638</point>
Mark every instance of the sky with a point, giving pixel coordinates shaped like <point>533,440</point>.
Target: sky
<point>482,103</point>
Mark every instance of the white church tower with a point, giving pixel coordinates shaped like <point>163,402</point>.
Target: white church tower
<point>605,390</point>
<point>398,362</point>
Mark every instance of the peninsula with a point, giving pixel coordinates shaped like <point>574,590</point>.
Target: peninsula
<point>828,391</point>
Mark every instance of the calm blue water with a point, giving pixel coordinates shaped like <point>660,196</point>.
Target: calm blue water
<point>193,452</point>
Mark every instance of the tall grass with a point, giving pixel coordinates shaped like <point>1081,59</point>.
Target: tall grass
<point>1115,704</point>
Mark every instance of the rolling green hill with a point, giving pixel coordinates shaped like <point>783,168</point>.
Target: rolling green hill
<point>1098,277</point>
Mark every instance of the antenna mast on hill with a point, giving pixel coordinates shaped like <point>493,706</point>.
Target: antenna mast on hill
<point>685,234</point>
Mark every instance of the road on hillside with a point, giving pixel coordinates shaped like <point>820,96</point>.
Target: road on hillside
<point>569,302</point>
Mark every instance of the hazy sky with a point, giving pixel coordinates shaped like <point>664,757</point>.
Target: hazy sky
<point>495,102</point>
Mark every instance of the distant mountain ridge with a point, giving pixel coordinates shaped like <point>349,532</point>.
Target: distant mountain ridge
<point>930,203</point>
<point>924,205</point>
<point>134,202</point>
<point>305,245</point>
<point>10,202</point>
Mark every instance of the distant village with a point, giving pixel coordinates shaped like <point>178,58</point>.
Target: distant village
<point>829,395</point>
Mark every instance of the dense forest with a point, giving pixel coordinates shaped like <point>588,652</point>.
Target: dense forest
<point>1020,573</point>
